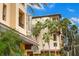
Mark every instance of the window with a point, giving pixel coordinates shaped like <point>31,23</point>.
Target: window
<point>57,18</point>
<point>28,46</point>
<point>54,35</point>
<point>53,18</point>
<point>4,12</point>
<point>55,44</point>
<point>21,19</point>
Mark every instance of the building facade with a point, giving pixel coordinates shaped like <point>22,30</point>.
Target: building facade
<point>56,43</point>
<point>14,16</point>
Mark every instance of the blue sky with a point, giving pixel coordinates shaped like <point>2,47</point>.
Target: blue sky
<point>67,10</point>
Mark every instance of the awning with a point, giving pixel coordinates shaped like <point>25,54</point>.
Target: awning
<point>24,38</point>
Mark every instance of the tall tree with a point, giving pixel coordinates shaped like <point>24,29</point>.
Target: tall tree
<point>74,30</point>
<point>46,38</point>
<point>52,26</point>
<point>77,44</point>
<point>36,29</point>
<point>64,24</point>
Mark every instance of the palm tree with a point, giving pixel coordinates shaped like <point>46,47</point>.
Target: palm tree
<point>74,30</point>
<point>52,27</point>
<point>46,38</point>
<point>77,44</point>
<point>10,43</point>
<point>69,32</point>
<point>64,24</point>
<point>36,29</point>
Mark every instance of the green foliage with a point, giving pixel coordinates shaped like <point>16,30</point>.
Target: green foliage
<point>74,28</point>
<point>46,37</point>
<point>65,23</point>
<point>37,29</point>
<point>69,33</point>
<point>53,27</point>
<point>9,43</point>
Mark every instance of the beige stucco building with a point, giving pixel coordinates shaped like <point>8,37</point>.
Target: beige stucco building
<point>9,15</point>
<point>14,16</point>
<point>56,43</point>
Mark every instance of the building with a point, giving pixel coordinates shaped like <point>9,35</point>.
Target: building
<point>14,16</point>
<point>56,44</point>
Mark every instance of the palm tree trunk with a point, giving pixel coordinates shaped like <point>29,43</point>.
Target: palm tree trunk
<point>74,51</point>
<point>49,49</point>
<point>68,44</point>
<point>43,51</point>
<point>74,44</point>
<point>36,38</point>
<point>43,48</point>
<point>55,51</point>
<point>67,53</point>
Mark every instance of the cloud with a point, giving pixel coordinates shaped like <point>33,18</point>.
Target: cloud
<point>62,17</point>
<point>74,20</point>
<point>52,5</point>
<point>37,7</point>
<point>70,10</point>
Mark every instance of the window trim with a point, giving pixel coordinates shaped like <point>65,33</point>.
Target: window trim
<point>4,12</point>
<point>22,20</point>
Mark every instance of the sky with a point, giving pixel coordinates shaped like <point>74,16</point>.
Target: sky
<point>67,10</point>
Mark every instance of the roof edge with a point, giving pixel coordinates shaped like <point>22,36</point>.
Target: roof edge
<point>47,16</point>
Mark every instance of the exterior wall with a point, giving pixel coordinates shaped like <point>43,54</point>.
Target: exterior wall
<point>12,16</point>
<point>29,18</point>
<point>21,30</point>
<point>52,48</point>
<point>7,21</point>
<point>41,42</point>
<point>28,26</point>
<point>12,21</point>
